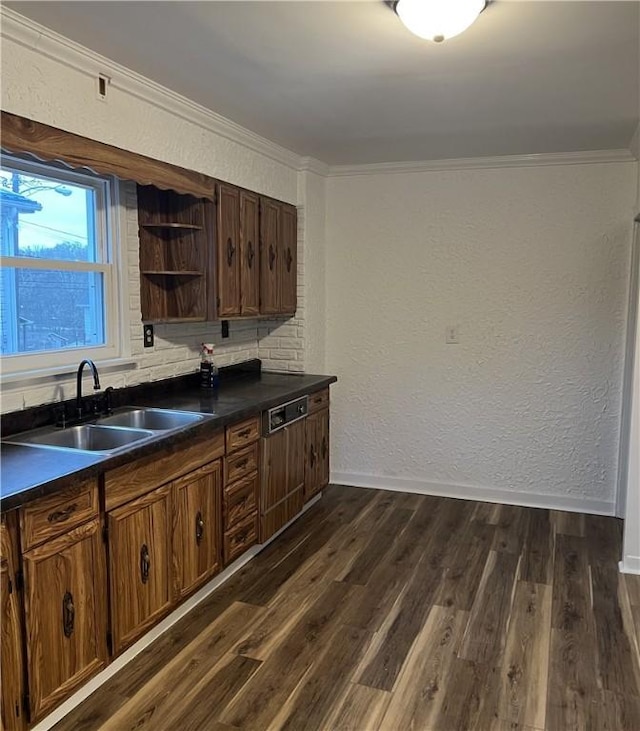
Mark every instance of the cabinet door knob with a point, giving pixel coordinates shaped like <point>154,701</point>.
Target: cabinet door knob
<point>289,259</point>
<point>68,614</point>
<point>272,256</point>
<point>324,447</point>
<point>250,254</point>
<point>231,250</point>
<point>312,456</point>
<point>199,527</point>
<point>145,563</point>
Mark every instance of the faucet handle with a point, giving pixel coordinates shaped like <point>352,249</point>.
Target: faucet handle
<point>106,402</point>
<point>60,414</point>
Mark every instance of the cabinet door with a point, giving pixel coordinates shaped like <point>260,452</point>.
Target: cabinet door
<point>249,258</point>
<point>197,534</point>
<point>288,260</point>
<point>316,453</point>
<point>228,253</point>
<point>12,716</point>
<point>311,466</point>
<point>65,615</point>
<point>140,564</point>
<point>323,449</point>
<point>269,255</point>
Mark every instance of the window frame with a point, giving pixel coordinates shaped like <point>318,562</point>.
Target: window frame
<point>108,245</point>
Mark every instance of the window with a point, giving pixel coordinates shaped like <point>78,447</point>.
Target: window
<point>58,295</point>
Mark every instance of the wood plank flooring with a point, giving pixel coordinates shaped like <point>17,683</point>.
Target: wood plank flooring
<point>380,610</point>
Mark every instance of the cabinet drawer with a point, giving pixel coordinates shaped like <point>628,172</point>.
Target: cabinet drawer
<point>319,400</point>
<point>240,500</point>
<point>242,433</point>
<point>241,538</point>
<point>137,478</point>
<point>55,515</point>
<point>241,463</point>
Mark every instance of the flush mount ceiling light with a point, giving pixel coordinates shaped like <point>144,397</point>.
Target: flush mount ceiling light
<point>437,20</point>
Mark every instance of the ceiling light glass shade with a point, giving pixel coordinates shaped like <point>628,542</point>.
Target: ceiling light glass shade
<point>437,20</point>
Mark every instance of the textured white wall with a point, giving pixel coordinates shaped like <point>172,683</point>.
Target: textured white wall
<point>312,192</point>
<point>531,265</point>
<point>53,81</point>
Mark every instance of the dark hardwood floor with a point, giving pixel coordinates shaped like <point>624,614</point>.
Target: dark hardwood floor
<point>381,610</point>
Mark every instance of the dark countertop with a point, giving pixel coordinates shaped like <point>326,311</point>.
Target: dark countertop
<point>30,472</point>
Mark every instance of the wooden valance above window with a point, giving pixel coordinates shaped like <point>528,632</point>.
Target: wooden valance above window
<point>20,135</point>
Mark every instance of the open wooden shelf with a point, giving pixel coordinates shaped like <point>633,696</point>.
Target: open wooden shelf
<point>176,232</point>
<point>175,225</point>
<point>173,272</point>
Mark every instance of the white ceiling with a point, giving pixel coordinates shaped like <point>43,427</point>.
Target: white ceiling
<point>346,83</point>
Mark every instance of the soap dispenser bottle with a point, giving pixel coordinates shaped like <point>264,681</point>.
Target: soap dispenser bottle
<point>209,377</point>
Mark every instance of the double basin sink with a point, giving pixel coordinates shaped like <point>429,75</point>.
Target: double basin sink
<point>108,434</point>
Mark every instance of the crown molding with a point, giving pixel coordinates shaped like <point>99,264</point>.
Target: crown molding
<point>313,165</point>
<point>22,30</point>
<point>482,163</point>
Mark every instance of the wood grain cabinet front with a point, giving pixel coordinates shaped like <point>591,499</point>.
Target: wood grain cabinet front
<point>316,453</point>
<point>237,252</point>
<point>65,615</point>
<point>283,475</point>
<point>278,258</point>
<point>241,488</point>
<point>139,565</point>
<point>12,712</point>
<point>197,530</point>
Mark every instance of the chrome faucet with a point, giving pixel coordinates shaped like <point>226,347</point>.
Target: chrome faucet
<point>96,383</point>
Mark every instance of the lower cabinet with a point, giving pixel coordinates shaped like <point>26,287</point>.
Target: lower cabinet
<point>317,453</point>
<point>197,528</point>
<point>12,711</point>
<point>139,565</point>
<point>64,614</point>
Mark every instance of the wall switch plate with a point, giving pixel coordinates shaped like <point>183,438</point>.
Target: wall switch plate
<point>451,335</point>
<point>224,326</point>
<point>147,335</point>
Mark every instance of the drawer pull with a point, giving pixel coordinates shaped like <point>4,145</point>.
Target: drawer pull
<point>242,463</point>
<point>145,563</point>
<point>317,400</point>
<point>242,537</point>
<point>68,614</point>
<point>61,515</point>
<point>199,527</point>
<point>245,432</point>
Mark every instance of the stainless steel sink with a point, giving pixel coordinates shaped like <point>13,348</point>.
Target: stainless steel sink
<point>88,437</point>
<point>153,419</point>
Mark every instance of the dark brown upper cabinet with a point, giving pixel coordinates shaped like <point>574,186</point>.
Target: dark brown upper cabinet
<point>237,253</point>
<point>278,258</point>
<point>176,238</point>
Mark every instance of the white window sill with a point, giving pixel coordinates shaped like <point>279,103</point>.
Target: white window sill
<point>62,372</point>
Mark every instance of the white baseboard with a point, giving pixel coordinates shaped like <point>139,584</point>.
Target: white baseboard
<point>630,565</point>
<point>92,685</point>
<point>476,492</point>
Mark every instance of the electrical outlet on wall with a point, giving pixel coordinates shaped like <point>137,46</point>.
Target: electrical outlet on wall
<point>147,335</point>
<point>451,335</point>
